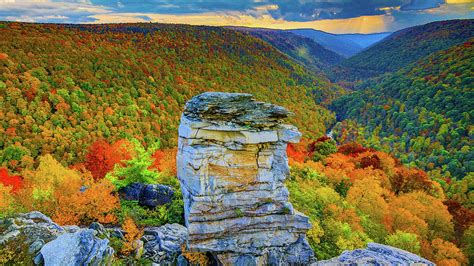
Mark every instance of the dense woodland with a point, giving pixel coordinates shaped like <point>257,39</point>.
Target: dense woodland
<point>423,113</point>
<point>403,48</point>
<point>89,109</point>
<point>63,87</point>
<point>354,195</point>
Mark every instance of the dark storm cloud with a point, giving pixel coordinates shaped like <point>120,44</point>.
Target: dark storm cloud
<point>292,10</point>
<point>396,14</point>
<point>179,6</point>
<point>340,9</point>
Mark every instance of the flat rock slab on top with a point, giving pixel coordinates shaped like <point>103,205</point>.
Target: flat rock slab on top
<point>237,108</point>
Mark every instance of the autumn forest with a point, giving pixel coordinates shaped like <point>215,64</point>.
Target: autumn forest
<point>386,155</point>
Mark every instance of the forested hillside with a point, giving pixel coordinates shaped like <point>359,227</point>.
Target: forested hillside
<point>403,48</point>
<point>422,113</point>
<point>304,50</point>
<point>87,110</point>
<point>64,86</point>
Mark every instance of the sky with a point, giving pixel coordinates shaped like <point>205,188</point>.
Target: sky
<point>336,16</point>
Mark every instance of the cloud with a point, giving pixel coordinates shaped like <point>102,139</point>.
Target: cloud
<point>338,16</point>
<point>422,4</point>
<point>49,11</point>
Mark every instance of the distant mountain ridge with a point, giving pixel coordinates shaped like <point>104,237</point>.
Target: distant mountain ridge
<point>302,49</point>
<point>346,45</point>
<point>403,48</point>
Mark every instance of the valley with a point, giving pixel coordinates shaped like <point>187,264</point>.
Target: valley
<point>88,111</point>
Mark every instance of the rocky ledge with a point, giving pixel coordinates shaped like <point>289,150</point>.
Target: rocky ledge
<point>376,254</point>
<point>37,240</point>
<point>232,163</point>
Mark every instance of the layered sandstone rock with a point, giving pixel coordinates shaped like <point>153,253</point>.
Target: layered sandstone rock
<point>232,163</point>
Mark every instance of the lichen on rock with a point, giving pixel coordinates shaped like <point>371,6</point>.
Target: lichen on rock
<point>232,164</point>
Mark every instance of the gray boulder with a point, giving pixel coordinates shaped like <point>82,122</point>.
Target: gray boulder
<point>131,192</point>
<point>99,229</point>
<point>163,244</point>
<point>29,232</point>
<point>79,248</point>
<point>376,254</point>
<point>155,195</point>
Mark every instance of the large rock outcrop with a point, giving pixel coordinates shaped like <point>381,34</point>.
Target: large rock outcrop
<point>376,254</point>
<point>79,248</point>
<point>34,238</point>
<point>232,163</point>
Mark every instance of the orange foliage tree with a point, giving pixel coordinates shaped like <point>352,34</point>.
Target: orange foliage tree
<point>132,234</point>
<point>68,196</point>
<point>94,202</point>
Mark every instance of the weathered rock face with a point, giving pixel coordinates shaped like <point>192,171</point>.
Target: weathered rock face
<point>163,244</point>
<point>231,164</point>
<point>376,254</point>
<point>79,248</point>
<point>50,244</point>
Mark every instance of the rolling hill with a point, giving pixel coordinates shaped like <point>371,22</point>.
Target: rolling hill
<point>304,50</point>
<point>423,113</point>
<point>403,48</point>
<point>64,86</point>
<point>346,45</point>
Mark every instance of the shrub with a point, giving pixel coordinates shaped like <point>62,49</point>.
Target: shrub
<point>170,213</point>
<point>195,258</point>
<point>93,203</point>
<point>136,169</point>
<point>132,234</point>
<point>405,241</point>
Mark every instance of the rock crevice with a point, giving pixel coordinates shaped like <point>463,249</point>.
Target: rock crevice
<point>232,163</point>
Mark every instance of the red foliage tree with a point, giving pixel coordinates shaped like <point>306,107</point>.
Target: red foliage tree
<point>102,157</point>
<point>352,149</point>
<point>370,160</point>
<point>296,152</point>
<point>407,180</point>
<point>10,180</point>
<point>462,217</point>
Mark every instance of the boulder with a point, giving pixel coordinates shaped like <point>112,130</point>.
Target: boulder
<point>99,229</point>
<point>131,192</point>
<point>28,232</point>
<point>376,254</point>
<point>163,244</point>
<point>232,165</point>
<point>79,248</point>
<point>155,195</point>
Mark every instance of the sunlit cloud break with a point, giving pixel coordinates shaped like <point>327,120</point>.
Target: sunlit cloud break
<point>337,16</point>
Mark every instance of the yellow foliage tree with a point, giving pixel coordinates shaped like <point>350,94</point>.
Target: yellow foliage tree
<point>68,196</point>
<point>368,196</point>
<point>41,185</point>
<point>443,253</point>
<point>6,200</point>
<point>429,209</point>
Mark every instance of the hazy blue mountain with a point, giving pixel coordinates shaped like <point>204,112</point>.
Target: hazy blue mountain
<point>364,40</point>
<point>346,45</point>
